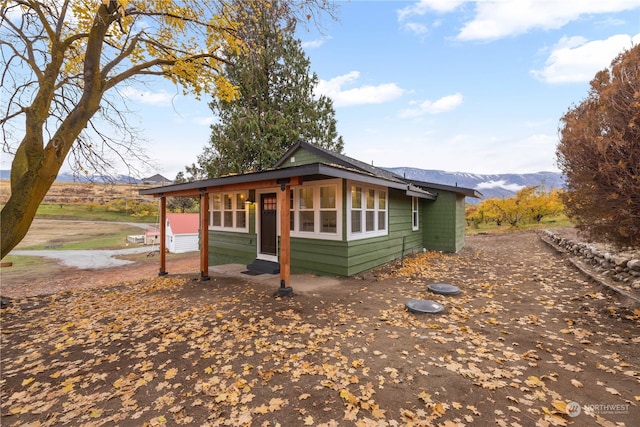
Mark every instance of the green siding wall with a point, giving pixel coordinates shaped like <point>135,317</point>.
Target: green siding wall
<point>234,248</point>
<point>346,258</point>
<point>441,228</point>
<point>302,157</point>
<point>444,219</point>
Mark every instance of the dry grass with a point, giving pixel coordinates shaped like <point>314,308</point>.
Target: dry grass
<point>82,192</point>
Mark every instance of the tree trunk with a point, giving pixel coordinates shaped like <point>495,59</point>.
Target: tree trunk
<point>35,167</point>
<point>17,215</point>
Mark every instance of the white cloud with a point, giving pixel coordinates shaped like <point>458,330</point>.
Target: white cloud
<point>423,6</point>
<point>495,19</point>
<point>314,44</point>
<point>499,184</point>
<point>499,18</point>
<point>442,105</point>
<point>416,28</point>
<point>161,98</point>
<point>334,89</point>
<point>575,59</point>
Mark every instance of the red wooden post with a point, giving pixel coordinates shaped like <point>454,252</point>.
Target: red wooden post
<point>204,235</point>
<point>163,236</point>
<point>285,238</point>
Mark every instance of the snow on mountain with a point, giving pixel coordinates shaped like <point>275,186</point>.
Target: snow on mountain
<point>497,185</point>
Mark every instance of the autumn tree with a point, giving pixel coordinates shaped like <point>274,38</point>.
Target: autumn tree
<point>62,62</point>
<point>599,154</point>
<point>276,106</point>
<point>530,204</point>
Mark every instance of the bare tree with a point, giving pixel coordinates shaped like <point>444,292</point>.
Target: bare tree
<point>61,61</point>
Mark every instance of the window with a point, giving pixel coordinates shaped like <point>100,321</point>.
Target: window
<point>356,209</point>
<point>328,212</point>
<point>315,210</point>
<point>367,212</point>
<point>306,212</point>
<point>415,219</point>
<point>228,211</point>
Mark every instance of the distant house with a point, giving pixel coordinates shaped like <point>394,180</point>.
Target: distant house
<point>320,212</point>
<point>182,232</point>
<point>156,179</point>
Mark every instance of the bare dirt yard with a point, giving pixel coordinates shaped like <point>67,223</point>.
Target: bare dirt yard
<point>530,341</point>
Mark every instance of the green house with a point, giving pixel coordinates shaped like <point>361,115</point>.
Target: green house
<point>321,212</point>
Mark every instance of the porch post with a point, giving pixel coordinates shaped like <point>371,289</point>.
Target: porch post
<point>163,236</point>
<point>285,237</point>
<point>204,235</point>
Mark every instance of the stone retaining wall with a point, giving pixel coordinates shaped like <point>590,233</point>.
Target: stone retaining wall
<point>623,268</point>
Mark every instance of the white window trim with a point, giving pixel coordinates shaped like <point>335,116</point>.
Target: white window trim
<point>317,234</point>
<point>367,234</point>
<point>415,213</point>
<point>233,229</point>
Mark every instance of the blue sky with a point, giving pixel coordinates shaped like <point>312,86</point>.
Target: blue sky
<point>455,85</point>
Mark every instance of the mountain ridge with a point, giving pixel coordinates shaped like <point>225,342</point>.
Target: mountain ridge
<point>490,185</point>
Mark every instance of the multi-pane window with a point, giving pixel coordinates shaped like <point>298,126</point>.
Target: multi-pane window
<point>306,212</point>
<point>415,221</point>
<point>367,211</point>
<point>314,210</point>
<point>356,209</point>
<point>328,212</point>
<point>228,211</point>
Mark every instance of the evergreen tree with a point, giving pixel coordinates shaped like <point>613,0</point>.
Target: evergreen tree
<point>277,106</point>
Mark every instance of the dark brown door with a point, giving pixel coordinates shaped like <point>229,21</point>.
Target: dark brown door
<point>268,221</point>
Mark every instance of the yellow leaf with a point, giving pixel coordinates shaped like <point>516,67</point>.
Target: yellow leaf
<point>425,397</point>
<point>456,405</point>
<point>95,413</point>
<point>171,373</point>
<point>534,381</point>
<point>27,381</point>
<point>560,406</point>
<point>378,413</point>
<point>208,370</point>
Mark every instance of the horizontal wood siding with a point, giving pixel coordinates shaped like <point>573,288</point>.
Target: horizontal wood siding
<point>444,219</point>
<point>231,248</point>
<point>183,243</point>
<point>326,257</point>
<point>302,157</point>
<point>366,254</point>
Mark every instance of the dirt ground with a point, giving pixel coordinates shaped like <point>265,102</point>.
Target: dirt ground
<point>530,341</point>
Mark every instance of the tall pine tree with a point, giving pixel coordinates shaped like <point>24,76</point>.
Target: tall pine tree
<point>277,106</point>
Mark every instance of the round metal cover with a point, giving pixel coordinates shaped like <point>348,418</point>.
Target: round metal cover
<point>423,306</point>
<point>443,289</point>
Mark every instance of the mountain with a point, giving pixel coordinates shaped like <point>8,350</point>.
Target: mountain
<point>69,177</point>
<point>498,185</point>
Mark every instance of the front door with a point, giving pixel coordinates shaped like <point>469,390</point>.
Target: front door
<point>268,224</point>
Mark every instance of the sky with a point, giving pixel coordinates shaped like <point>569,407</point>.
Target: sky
<point>473,86</point>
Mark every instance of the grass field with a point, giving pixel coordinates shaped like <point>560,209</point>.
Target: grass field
<point>85,213</point>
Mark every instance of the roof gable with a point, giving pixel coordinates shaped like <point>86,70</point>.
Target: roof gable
<point>183,223</point>
<point>310,153</point>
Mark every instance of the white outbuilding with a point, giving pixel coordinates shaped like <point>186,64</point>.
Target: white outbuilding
<point>182,232</point>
